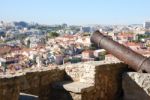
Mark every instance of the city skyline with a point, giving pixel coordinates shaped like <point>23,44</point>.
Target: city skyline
<point>76,12</point>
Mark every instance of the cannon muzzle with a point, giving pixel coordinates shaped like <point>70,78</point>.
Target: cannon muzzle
<point>137,61</point>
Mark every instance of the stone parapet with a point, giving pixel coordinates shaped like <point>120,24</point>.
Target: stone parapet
<point>36,82</point>
<point>95,80</point>
<point>105,77</point>
<point>136,86</point>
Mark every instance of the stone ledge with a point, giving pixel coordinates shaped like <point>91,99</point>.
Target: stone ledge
<point>75,87</point>
<point>32,82</point>
<point>31,70</point>
<point>136,86</point>
<point>24,96</point>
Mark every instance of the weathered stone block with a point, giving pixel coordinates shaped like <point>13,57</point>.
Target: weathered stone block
<point>33,79</point>
<point>108,81</point>
<point>136,86</point>
<point>9,89</point>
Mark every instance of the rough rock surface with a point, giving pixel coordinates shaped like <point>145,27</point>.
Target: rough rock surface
<point>136,86</point>
<point>106,77</point>
<point>36,82</point>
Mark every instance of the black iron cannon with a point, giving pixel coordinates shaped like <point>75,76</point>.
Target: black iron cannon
<point>137,61</point>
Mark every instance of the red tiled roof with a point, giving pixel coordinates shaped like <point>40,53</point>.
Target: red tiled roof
<point>4,50</point>
<point>15,48</point>
<point>125,35</point>
<point>68,36</point>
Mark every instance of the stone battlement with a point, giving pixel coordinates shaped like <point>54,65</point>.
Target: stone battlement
<point>35,82</point>
<point>95,80</point>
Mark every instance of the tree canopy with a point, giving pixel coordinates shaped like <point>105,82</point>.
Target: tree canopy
<point>53,34</point>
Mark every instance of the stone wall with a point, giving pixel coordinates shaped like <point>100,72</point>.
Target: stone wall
<point>95,80</point>
<point>108,81</point>
<point>136,86</point>
<point>106,78</point>
<point>36,82</point>
<point>9,89</point>
<point>82,72</point>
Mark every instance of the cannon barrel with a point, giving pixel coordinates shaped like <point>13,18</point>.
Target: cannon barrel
<point>136,61</point>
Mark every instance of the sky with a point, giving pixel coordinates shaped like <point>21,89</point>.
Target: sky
<point>76,12</point>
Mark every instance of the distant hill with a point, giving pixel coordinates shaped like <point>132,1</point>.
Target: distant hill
<point>21,23</point>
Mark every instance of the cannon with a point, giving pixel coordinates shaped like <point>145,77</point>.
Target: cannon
<point>135,60</point>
